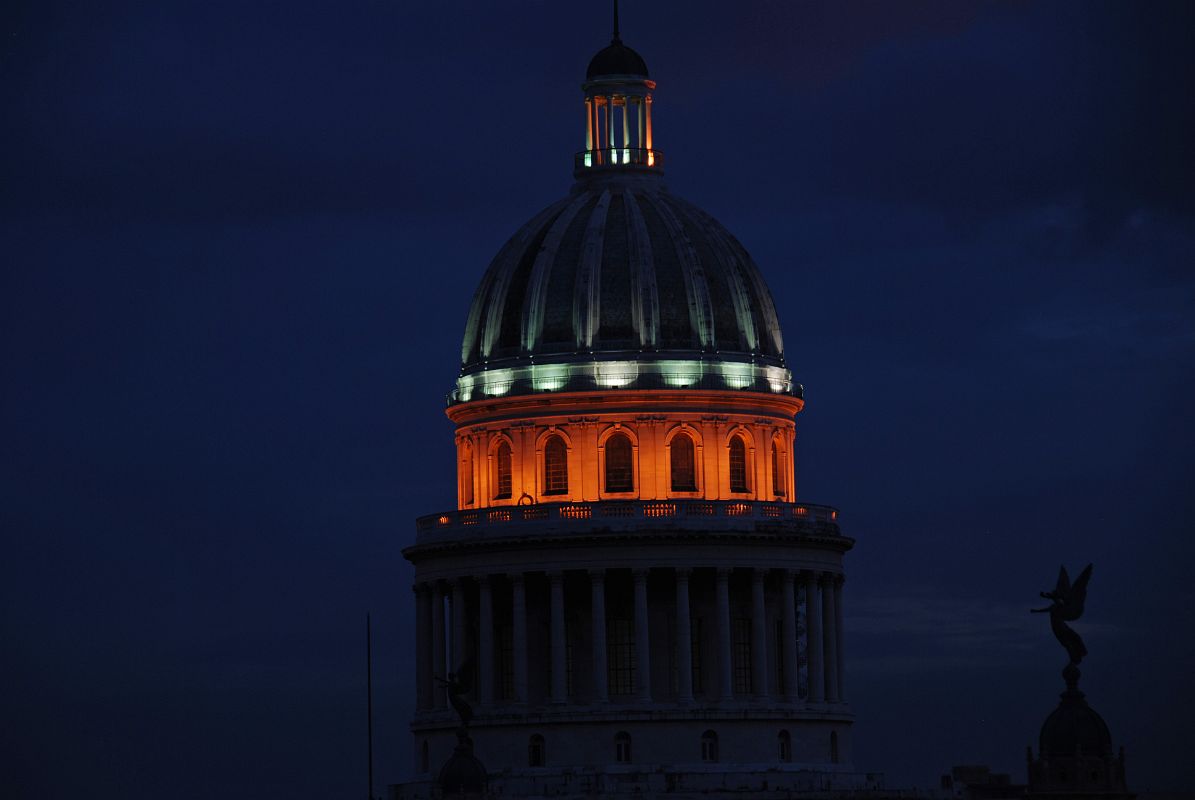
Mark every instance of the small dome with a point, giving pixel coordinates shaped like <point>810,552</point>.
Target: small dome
<point>463,775</point>
<point>616,59</point>
<point>1073,728</point>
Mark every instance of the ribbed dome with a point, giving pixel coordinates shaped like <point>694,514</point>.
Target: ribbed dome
<point>616,59</point>
<point>621,268</point>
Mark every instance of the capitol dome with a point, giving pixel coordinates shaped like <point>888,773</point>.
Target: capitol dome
<point>627,575</point>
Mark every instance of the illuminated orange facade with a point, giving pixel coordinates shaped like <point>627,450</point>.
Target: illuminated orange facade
<point>635,597</point>
<point>623,445</point>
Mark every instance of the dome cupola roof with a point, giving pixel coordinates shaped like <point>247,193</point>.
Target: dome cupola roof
<point>616,59</point>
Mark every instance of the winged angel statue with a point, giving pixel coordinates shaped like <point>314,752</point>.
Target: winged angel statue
<point>1067,606</point>
<point>458,684</point>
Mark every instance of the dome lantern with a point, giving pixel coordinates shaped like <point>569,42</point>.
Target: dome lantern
<point>618,130</point>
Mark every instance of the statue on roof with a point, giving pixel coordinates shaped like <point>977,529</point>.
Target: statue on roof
<point>458,684</point>
<point>1067,606</point>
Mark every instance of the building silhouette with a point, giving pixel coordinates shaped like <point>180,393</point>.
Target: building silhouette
<point>629,594</point>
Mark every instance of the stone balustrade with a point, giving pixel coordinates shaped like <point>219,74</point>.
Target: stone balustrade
<point>732,515</point>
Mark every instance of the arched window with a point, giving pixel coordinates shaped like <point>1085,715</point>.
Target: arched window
<point>555,466</point>
<point>833,747</point>
<point>620,474</point>
<point>786,746</point>
<point>709,746</point>
<point>738,465</point>
<point>684,472</point>
<point>502,471</point>
<point>424,758</point>
<point>622,747</point>
<point>778,477</point>
<point>535,751</point>
<point>466,474</point>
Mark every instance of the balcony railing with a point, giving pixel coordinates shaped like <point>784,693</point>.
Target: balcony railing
<point>703,515</point>
<point>620,157</point>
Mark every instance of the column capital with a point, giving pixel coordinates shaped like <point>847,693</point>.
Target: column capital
<point>515,577</point>
<point>683,572</point>
<point>555,575</point>
<point>826,578</point>
<point>790,576</point>
<point>723,573</point>
<point>758,574</point>
<point>640,574</point>
<point>597,574</point>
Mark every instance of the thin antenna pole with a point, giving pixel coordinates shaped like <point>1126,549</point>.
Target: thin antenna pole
<point>369,698</point>
<point>616,36</point>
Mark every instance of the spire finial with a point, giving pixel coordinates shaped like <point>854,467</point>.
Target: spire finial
<point>617,38</point>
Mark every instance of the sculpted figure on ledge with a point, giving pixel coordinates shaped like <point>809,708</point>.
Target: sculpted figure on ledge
<point>1067,606</point>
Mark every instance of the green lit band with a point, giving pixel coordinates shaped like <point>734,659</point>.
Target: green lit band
<point>663,374</point>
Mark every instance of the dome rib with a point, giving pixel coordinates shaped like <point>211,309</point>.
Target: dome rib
<point>644,297</point>
<point>490,297</point>
<point>758,297</point>
<point>739,295</point>
<point>696,288</point>
<point>535,303</point>
<point>587,294</point>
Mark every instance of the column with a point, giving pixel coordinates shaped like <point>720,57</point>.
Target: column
<point>830,636</point>
<point>841,658</point>
<point>610,125</point>
<point>485,669</point>
<point>458,625</point>
<point>626,134</point>
<point>813,637</point>
<point>597,594</point>
<point>439,697</point>
<point>423,647</point>
<point>557,640</point>
<point>725,662</point>
<point>588,124</point>
<point>759,636</point>
<point>642,637</point>
<point>518,605</point>
<point>684,640</point>
<point>789,629</point>
<point>639,119</point>
<point>647,101</point>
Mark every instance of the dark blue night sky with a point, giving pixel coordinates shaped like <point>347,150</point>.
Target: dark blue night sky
<point>238,242</point>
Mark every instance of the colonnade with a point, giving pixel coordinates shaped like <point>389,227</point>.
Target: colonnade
<point>769,621</point>
<point>601,131</point>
